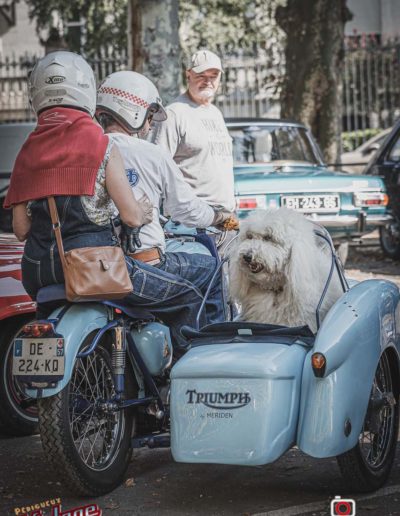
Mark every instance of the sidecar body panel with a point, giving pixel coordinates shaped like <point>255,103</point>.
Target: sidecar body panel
<point>75,325</point>
<point>357,330</point>
<point>280,400</point>
<point>236,403</point>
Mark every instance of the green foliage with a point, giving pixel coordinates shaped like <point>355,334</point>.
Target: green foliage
<point>352,139</point>
<point>231,24</point>
<point>105,21</point>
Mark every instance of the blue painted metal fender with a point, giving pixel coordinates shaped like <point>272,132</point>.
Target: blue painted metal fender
<point>75,325</point>
<point>358,328</point>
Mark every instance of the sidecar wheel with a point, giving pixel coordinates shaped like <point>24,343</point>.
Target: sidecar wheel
<point>89,445</point>
<point>366,467</point>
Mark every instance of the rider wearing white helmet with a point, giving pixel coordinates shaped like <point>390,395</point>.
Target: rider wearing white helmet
<point>131,98</point>
<point>127,103</point>
<point>62,79</point>
<point>69,156</point>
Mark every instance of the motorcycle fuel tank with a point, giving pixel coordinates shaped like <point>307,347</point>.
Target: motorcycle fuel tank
<point>153,342</point>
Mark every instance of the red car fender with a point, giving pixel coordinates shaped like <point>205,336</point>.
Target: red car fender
<point>13,298</point>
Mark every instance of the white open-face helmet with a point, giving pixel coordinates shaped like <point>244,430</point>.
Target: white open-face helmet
<point>62,78</point>
<point>130,98</point>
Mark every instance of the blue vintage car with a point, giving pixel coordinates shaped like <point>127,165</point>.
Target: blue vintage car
<point>278,163</point>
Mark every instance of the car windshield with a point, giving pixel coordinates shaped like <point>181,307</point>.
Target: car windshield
<point>265,144</point>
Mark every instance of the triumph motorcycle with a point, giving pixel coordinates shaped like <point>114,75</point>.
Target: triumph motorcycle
<point>106,381</point>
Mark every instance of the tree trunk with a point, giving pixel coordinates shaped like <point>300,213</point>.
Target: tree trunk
<point>153,42</point>
<point>312,88</point>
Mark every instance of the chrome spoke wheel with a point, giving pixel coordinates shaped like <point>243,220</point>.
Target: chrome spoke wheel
<point>379,423</point>
<point>367,465</point>
<point>96,432</point>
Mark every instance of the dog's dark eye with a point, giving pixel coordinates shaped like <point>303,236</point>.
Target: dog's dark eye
<point>249,236</point>
<point>267,237</point>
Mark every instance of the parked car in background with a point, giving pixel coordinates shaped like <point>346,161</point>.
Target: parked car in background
<point>356,160</point>
<point>12,137</point>
<point>278,163</point>
<point>386,164</point>
<point>17,415</point>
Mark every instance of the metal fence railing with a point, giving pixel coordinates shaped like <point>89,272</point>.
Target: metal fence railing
<point>371,86</point>
<point>14,103</point>
<point>251,84</point>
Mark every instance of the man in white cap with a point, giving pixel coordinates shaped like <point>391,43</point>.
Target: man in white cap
<point>196,136</point>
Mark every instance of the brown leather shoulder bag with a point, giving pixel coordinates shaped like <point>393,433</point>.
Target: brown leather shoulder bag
<point>91,273</point>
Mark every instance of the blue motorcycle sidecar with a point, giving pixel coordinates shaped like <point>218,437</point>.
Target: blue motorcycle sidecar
<point>245,393</point>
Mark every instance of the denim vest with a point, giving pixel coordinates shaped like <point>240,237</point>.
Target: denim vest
<point>41,263</point>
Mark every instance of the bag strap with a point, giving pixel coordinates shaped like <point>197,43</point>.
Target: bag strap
<point>57,229</point>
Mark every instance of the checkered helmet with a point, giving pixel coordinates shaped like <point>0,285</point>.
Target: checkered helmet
<point>129,97</point>
<point>62,78</point>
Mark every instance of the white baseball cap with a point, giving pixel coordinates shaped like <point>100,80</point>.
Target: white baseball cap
<point>203,60</point>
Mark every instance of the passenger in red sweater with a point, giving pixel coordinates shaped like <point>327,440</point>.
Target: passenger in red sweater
<point>68,156</point>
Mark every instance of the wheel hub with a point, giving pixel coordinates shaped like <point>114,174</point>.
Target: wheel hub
<point>378,403</point>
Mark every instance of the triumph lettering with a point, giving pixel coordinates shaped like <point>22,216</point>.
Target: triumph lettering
<point>219,400</point>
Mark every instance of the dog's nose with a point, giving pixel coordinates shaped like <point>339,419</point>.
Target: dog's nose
<point>247,257</point>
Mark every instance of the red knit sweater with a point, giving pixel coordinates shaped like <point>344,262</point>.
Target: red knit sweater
<point>60,157</point>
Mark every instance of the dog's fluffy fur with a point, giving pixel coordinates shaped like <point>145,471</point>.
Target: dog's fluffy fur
<point>278,269</point>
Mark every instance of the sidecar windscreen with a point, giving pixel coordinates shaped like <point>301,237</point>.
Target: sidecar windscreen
<point>241,331</point>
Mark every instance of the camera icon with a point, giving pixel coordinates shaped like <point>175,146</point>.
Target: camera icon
<point>343,506</point>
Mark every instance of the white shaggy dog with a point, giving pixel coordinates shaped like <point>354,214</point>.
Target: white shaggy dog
<point>278,269</point>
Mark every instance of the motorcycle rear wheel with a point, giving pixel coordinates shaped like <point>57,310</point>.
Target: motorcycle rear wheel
<point>367,466</point>
<point>89,445</point>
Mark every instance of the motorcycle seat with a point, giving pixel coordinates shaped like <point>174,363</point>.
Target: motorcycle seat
<point>56,294</point>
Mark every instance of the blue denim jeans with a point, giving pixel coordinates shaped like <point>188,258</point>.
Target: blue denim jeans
<point>170,297</point>
<point>199,269</point>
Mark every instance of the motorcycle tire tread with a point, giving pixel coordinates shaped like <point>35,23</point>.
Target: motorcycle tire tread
<point>59,450</point>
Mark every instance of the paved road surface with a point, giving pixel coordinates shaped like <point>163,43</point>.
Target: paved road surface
<point>294,485</point>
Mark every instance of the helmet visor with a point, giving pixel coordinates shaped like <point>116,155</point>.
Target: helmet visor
<point>157,112</point>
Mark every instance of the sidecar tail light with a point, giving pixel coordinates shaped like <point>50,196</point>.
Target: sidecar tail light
<point>318,363</point>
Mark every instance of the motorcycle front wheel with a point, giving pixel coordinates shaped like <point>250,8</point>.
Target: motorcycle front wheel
<point>88,444</point>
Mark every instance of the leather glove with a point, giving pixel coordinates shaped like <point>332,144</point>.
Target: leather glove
<point>225,220</point>
<point>129,237</point>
